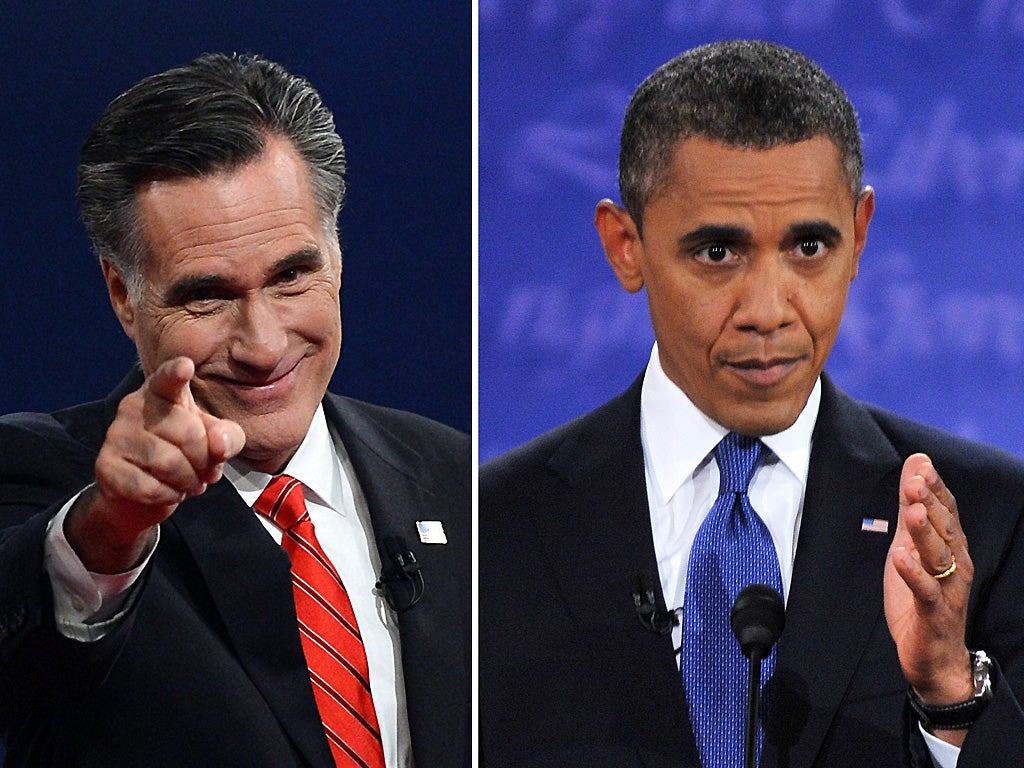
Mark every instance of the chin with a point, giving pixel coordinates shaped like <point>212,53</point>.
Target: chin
<point>760,421</point>
<point>268,459</point>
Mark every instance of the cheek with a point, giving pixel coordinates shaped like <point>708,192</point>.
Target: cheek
<point>699,318</point>
<point>823,317</point>
<point>688,331</point>
<point>320,317</point>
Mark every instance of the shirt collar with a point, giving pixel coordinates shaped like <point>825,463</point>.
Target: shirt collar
<point>314,464</point>
<point>677,437</point>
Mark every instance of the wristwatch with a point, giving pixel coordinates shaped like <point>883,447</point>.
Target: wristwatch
<point>952,717</point>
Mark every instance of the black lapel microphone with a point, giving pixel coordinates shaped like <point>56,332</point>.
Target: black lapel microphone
<point>757,619</point>
<point>647,613</point>
<point>401,579</point>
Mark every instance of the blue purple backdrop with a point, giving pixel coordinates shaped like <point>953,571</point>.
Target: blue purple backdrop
<point>935,323</point>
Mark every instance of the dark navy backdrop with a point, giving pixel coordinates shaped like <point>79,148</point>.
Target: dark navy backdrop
<point>935,323</point>
<point>398,78</point>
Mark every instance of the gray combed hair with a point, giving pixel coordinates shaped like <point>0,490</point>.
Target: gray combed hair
<point>211,115</point>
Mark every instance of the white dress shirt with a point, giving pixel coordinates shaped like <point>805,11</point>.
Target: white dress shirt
<point>682,485</point>
<point>682,478</point>
<point>88,605</point>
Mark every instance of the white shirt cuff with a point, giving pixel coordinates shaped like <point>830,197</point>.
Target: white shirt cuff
<point>944,755</point>
<point>87,605</point>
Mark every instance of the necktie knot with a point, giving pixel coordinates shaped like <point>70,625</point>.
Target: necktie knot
<point>282,501</point>
<point>737,456</point>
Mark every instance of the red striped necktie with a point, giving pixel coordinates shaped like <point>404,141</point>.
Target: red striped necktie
<point>328,630</point>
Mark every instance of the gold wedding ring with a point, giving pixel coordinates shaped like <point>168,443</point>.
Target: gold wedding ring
<point>949,571</point>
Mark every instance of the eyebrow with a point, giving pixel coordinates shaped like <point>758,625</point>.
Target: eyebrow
<point>728,233</point>
<point>181,290</point>
<point>311,256</point>
<point>715,233</point>
<point>191,284</point>
<point>817,230</point>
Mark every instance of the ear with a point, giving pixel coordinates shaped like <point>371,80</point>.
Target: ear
<point>864,210</point>
<point>622,245</point>
<point>120,300</point>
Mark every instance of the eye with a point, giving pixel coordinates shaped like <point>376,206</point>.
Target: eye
<point>200,296</point>
<point>715,254</point>
<point>811,247</point>
<point>293,279</point>
<point>203,301</point>
<point>293,274</point>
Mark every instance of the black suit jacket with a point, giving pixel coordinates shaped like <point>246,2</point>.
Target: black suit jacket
<point>208,668</point>
<point>568,676</point>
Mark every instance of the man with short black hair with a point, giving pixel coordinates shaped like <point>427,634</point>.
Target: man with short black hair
<point>613,548</point>
<point>221,563</point>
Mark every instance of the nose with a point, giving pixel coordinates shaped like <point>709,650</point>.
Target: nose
<point>765,299</point>
<point>260,338</point>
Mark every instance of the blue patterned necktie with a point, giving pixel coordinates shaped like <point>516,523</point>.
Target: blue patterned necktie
<point>733,549</point>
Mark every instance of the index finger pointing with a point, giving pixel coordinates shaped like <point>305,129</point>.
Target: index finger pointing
<point>170,381</point>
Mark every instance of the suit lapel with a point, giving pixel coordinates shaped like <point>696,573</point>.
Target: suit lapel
<point>435,660</point>
<point>249,579</point>
<point>605,554</point>
<point>836,597</point>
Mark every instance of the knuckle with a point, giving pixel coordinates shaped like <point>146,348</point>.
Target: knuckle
<point>171,467</point>
<point>162,462</point>
<point>193,430</point>
<point>128,415</point>
<point>148,491</point>
<point>182,428</point>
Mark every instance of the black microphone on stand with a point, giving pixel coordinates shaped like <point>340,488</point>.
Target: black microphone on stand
<point>757,618</point>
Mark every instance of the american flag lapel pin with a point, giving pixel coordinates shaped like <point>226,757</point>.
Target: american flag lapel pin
<point>874,525</point>
<point>431,532</point>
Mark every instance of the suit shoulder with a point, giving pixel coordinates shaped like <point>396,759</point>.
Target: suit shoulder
<point>28,439</point>
<point>584,441</point>
<point>41,462</point>
<point>950,453</point>
<point>530,456</point>
<point>419,433</point>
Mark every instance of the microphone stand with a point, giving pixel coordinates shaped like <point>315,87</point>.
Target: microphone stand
<point>758,616</point>
<point>753,707</point>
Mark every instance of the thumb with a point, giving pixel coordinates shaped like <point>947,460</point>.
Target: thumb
<point>225,438</point>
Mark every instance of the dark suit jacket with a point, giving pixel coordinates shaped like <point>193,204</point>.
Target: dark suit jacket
<point>208,669</point>
<point>569,677</point>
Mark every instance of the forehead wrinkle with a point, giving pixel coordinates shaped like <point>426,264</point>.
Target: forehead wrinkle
<point>688,171</point>
<point>196,242</point>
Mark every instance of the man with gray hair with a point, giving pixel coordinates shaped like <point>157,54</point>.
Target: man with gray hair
<point>613,549</point>
<point>222,563</point>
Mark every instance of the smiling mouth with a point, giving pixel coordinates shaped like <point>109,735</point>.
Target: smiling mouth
<point>270,386</point>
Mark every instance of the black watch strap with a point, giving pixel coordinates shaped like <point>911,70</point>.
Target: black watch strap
<point>962,714</point>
